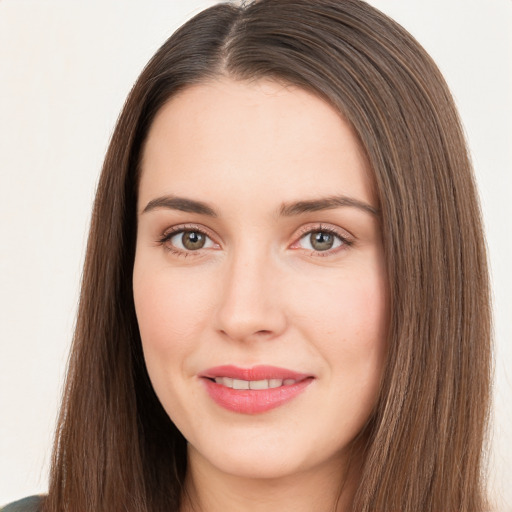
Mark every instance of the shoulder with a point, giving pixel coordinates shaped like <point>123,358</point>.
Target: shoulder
<point>29,504</point>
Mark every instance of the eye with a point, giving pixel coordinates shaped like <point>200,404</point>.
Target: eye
<point>321,240</point>
<point>187,240</point>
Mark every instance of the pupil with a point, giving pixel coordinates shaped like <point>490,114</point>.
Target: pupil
<point>321,241</point>
<point>193,240</point>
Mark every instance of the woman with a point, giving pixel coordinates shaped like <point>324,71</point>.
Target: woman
<point>285,299</point>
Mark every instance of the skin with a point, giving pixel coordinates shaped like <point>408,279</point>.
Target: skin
<point>258,292</point>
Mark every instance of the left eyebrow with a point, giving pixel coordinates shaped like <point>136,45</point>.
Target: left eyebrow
<point>180,203</point>
<point>325,203</point>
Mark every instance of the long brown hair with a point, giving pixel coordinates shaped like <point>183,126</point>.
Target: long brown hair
<point>117,450</point>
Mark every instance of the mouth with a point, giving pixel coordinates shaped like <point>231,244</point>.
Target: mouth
<point>253,390</point>
<point>253,384</point>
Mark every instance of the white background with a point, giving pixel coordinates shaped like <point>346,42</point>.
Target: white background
<point>65,70</point>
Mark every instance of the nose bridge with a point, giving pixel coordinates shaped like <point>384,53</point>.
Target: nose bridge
<point>249,305</point>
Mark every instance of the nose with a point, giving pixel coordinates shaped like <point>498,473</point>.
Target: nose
<point>251,305</point>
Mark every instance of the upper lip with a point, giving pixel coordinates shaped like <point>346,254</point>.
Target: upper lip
<point>260,372</point>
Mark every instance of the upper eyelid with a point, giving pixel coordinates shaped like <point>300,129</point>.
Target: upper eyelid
<point>323,226</point>
<point>173,230</point>
<point>306,228</point>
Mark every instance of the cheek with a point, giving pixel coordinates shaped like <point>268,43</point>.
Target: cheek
<point>351,309</point>
<point>171,312</point>
<point>171,308</point>
<point>347,318</point>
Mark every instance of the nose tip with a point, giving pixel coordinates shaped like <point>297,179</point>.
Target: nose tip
<point>250,307</point>
<point>246,333</point>
<point>250,318</point>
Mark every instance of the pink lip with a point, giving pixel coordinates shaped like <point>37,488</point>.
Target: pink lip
<point>253,401</point>
<point>260,372</point>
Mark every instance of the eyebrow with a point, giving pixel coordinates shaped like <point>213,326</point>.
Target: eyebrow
<point>326,203</point>
<point>180,203</point>
<point>287,209</point>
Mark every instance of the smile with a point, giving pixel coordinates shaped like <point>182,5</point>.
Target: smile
<point>253,390</point>
<point>253,384</point>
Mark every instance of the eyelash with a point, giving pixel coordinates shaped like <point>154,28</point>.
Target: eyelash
<point>303,232</point>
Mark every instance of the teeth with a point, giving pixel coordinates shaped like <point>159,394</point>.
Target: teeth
<point>240,384</point>
<point>253,384</point>
<point>258,384</point>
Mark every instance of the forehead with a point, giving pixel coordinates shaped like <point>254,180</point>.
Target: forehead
<point>252,136</point>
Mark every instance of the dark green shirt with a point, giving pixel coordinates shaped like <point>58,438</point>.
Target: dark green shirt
<point>30,504</point>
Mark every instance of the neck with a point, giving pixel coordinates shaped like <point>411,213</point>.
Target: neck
<point>329,488</point>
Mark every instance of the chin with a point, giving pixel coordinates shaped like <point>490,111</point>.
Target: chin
<point>263,467</point>
<point>264,458</point>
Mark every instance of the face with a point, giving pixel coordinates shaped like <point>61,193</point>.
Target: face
<point>259,278</point>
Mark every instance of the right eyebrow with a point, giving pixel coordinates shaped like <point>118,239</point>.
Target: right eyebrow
<point>180,203</point>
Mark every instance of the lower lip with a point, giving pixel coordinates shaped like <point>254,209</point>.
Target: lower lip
<point>249,401</point>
